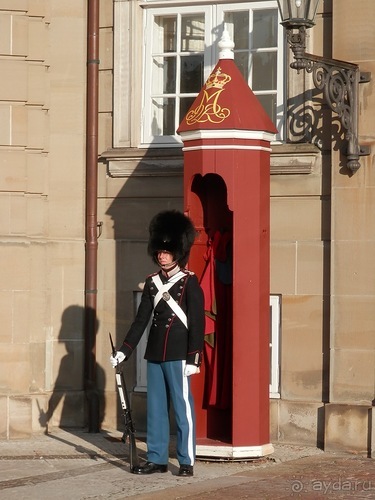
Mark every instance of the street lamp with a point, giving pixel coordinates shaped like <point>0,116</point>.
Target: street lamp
<point>338,80</point>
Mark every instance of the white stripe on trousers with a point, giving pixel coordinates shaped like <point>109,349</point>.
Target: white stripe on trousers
<point>189,416</point>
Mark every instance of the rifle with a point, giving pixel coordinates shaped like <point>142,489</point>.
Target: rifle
<point>126,412</point>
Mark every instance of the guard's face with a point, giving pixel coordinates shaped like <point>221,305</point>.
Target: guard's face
<point>165,258</point>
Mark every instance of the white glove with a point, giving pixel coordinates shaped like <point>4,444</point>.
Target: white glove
<point>118,358</point>
<point>191,370</point>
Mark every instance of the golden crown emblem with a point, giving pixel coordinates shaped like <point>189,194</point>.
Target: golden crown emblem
<point>217,79</point>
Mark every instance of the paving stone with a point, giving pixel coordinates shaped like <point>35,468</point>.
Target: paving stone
<point>78,465</point>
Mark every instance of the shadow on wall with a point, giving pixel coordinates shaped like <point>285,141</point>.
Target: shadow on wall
<point>69,384</point>
<point>150,181</point>
<point>308,122</point>
<point>75,390</point>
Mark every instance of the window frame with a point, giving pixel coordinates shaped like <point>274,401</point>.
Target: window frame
<point>214,17</point>
<point>275,344</point>
<point>165,140</point>
<point>279,49</point>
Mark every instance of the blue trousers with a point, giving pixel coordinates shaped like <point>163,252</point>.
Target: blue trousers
<point>166,382</point>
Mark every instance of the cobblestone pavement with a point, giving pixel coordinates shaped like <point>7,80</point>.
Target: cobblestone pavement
<point>76,465</point>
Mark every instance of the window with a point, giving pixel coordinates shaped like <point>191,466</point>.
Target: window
<point>255,35</point>
<point>175,61</point>
<point>181,50</point>
<point>275,322</point>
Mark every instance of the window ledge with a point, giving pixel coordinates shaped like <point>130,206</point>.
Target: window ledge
<point>126,162</point>
<point>298,158</point>
<point>286,159</point>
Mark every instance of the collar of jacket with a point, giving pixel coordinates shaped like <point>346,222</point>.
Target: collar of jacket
<point>172,272</point>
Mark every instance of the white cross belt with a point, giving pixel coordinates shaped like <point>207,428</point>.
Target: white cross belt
<point>164,294</point>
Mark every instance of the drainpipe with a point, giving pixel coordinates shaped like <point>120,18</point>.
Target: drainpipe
<point>91,390</point>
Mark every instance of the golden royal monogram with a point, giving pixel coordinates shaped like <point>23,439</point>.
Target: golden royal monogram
<point>209,109</point>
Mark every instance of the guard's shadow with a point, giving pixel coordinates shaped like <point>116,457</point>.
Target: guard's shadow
<point>78,395</point>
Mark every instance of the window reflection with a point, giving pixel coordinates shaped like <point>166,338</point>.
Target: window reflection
<point>264,71</point>
<point>191,73</point>
<point>237,24</point>
<point>192,33</point>
<point>265,29</point>
<point>165,35</point>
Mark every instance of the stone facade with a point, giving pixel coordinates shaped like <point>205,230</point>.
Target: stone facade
<point>42,148</point>
<point>322,233</point>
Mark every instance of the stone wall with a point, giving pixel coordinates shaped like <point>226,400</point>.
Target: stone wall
<point>42,145</point>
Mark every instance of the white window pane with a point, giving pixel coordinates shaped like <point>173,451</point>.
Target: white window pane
<point>242,61</point>
<point>275,341</point>
<point>185,104</point>
<point>264,71</point>
<point>269,103</point>
<point>191,74</point>
<point>192,33</point>
<point>164,75</point>
<point>265,28</point>
<point>163,113</point>
<point>177,69</point>
<point>237,24</point>
<point>165,34</point>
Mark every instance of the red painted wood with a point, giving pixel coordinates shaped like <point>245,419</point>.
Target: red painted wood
<point>226,187</point>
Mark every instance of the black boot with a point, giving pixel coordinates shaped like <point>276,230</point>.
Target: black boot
<point>186,470</point>
<point>150,468</point>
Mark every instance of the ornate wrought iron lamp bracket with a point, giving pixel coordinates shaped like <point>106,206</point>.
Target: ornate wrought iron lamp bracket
<point>338,81</point>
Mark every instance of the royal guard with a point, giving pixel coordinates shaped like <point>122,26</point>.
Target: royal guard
<point>174,300</point>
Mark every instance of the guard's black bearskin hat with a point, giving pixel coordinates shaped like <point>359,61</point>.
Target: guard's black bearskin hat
<point>171,231</point>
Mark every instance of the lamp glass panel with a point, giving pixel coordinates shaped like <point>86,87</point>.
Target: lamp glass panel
<point>311,8</point>
<point>285,9</point>
<point>298,9</point>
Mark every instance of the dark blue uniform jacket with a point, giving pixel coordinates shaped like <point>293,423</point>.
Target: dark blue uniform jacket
<point>169,339</point>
